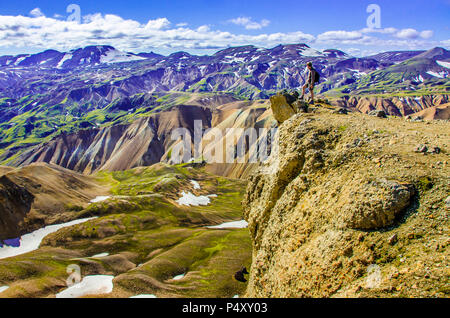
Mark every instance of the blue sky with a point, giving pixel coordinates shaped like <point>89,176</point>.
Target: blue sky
<point>203,27</point>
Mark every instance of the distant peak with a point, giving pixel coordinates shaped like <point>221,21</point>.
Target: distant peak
<point>437,52</point>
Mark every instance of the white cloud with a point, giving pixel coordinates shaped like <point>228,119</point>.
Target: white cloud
<point>36,12</point>
<point>413,34</point>
<point>129,35</point>
<point>98,29</point>
<point>249,24</point>
<point>203,29</point>
<point>445,43</point>
<point>407,34</point>
<point>340,35</point>
<point>426,34</point>
<point>382,31</point>
<point>158,24</point>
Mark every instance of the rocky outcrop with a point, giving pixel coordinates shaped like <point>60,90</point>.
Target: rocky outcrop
<point>15,203</point>
<point>343,196</point>
<point>281,107</point>
<point>285,105</point>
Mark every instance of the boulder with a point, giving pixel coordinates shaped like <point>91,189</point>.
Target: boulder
<point>341,111</point>
<point>374,204</point>
<point>285,105</point>
<point>281,107</point>
<point>421,148</point>
<point>378,113</point>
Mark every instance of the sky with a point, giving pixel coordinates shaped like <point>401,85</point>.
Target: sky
<point>358,27</point>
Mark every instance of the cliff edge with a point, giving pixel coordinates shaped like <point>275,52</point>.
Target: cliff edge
<point>351,205</point>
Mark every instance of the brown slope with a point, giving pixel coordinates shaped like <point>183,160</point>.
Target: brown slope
<point>42,194</point>
<point>254,114</point>
<point>441,112</point>
<point>120,147</point>
<point>393,106</point>
<point>5,169</point>
<point>147,140</point>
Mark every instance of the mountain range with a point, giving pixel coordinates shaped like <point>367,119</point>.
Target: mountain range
<point>246,71</point>
<point>86,137</point>
<point>53,94</point>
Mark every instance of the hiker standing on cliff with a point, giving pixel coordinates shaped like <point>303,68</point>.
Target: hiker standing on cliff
<point>312,79</point>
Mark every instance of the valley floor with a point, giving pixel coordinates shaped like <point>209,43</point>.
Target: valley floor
<point>138,240</point>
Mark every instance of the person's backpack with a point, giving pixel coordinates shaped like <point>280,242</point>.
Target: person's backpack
<point>316,77</point>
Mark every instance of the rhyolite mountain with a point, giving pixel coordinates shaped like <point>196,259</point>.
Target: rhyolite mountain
<point>246,71</point>
<point>53,94</point>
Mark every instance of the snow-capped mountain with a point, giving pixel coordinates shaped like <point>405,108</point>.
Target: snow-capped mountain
<point>52,94</point>
<point>104,73</point>
<point>88,56</point>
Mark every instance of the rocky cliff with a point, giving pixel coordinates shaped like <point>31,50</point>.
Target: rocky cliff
<point>345,207</point>
<point>15,203</point>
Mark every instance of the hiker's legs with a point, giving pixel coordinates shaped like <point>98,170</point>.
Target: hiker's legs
<point>303,90</point>
<point>311,89</point>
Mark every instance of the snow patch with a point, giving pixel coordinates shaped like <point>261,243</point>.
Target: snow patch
<point>196,185</point>
<point>66,57</point>
<point>178,277</point>
<point>202,69</point>
<point>189,199</point>
<point>358,73</point>
<point>418,78</point>
<point>100,255</point>
<point>100,198</point>
<point>90,285</point>
<point>116,56</point>
<point>443,64</point>
<point>310,52</point>
<point>230,225</point>
<point>30,242</point>
<point>3,288</point>
<point>144,296</point>
<point>20,60</point>
<point>233,59</point>
<point>438,75</point>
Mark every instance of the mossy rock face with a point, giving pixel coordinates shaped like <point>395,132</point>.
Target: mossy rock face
<point>148,237</point>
